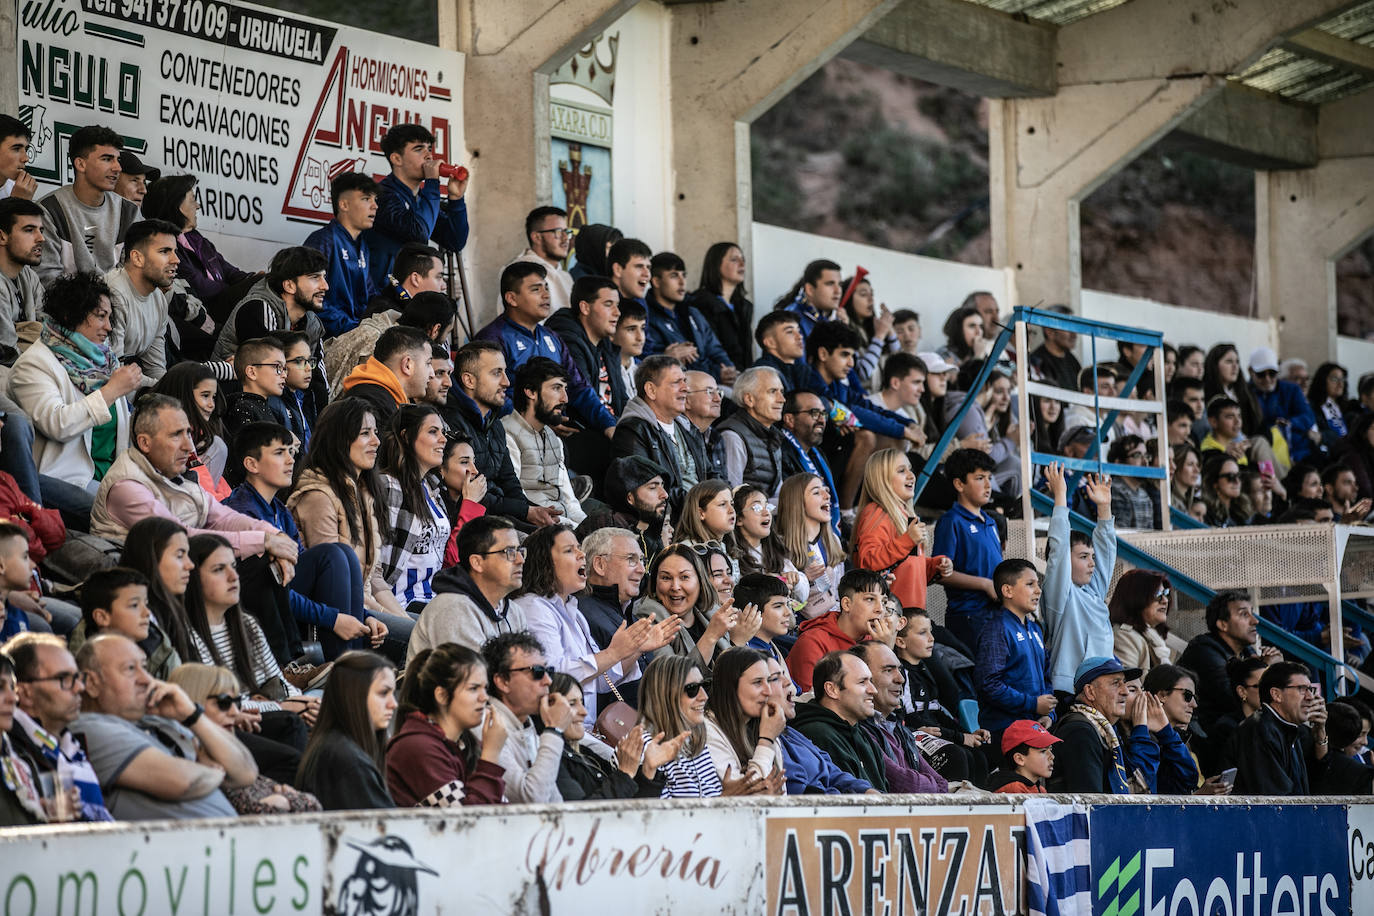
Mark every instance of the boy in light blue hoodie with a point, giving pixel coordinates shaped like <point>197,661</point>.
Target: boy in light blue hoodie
<point>1078,573</point>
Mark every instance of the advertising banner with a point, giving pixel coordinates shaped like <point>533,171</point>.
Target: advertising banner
<point>1361,843</point>
<point>1230,860</point>
<point>967,861</point>
<point>264,108</point>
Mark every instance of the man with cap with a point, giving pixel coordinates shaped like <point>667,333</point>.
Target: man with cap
<point>134,177</point>
<point>1093,758</point>
<point>1283,404</point>
<point>637,500</point>
<point>1027,759</point>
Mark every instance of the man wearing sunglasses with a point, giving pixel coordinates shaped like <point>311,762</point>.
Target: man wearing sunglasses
<point>1284,405</point>
<point>518,681</point>
<point>1282,749</point>
<point>49,689</point>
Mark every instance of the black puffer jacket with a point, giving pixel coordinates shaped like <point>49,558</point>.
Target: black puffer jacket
<point>504,494</point>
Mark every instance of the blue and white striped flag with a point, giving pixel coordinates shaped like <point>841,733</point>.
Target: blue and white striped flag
<point>1058,873</point>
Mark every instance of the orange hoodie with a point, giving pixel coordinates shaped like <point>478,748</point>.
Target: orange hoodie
<point>819,637</point>
<point>373,372</point>
<point>878,545</point>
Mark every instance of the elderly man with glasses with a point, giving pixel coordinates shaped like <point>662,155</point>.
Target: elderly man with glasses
<point>1282,749</point>
<point>518,681</point>
<point>49,689</point>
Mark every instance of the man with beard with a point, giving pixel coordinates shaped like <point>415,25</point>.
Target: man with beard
<point>21,248</point>
<point>138,308</point>
<point>804,416</point>
<point>289,298</point>
<point>637,501</point>
<point>474,407</point>
<point>536,452</point>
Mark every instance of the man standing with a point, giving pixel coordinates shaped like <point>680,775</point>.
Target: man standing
<point>844,698</point>
<point>21,291</point>
<point>678,329</point>
<point>536,452</point>
<point>521,334</point>
<point>145,739</point>
<point>49,688</point>
<point>85,221</point>
<point>550,240</point>
<point>354,195</point>
<point>783,348</point>
<point>474,409</point>
<point>750,441</point>
<point>469,605</point>
<point>138,312</point>
<point>653,426</point>
<point>804,416</point>
<point>518,679</point>
<point>1092,756</point>
<point>1272,751</point>
<point>409,208</point>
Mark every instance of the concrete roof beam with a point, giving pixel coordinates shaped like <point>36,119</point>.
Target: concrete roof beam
<point>1345,128</point>
<point>1252,129</point>
<point>1170,38</point>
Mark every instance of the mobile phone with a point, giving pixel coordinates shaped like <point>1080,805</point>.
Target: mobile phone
<point>1228,777</point>
<point>1267,468</point>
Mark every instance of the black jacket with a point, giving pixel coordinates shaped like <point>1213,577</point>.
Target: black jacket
<point>591,358</point>
<point>583,776</point>
<point>933,697</point>
<point>1207,656</point>
<point>733,324</point>
<point>602,607</point>
<point>341,775</point>
<point>640,434</point>
<point>504,493</point>
<point>763,467</point>
<point>242,408</point>
<point>381,401</point>
<point>1082,761</point>
<point>1272,757</point>
<point>1344,776</point>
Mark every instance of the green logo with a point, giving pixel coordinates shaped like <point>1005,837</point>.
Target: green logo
<point>1114,882</point>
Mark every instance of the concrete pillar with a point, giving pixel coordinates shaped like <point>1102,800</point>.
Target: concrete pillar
<point>512,46</point>
<point>9,58</point>
<point>1307,220</point>
<point>1046,155</point>
<point>729,63</point>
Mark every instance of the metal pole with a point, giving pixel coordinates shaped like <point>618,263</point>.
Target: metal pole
<point>1166,493</point>
<point>471,327</point>
<point>1028,417</point>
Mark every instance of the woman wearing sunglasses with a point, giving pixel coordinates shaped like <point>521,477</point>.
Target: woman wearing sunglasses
<point>1139,611</point>
<point>672,702</point>
<point>219,691</point>
<point>343,762</point>
<point>1227,505</point>
<point>1180,772</point>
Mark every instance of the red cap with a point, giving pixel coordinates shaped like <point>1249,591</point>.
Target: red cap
<point>1024,731</point>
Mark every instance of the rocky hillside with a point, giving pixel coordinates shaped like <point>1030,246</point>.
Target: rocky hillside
<point>860,153</point>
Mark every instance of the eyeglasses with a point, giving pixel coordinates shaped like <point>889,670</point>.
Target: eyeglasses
<point>303,362</point>
<point>227,700</point>
<point>1231,477</point>
<point>814,413</point>
<point>1307,689</point>
<point>706,548</point>
<point>760,508</point>
<point>511,553</point>
<point>562,233</point>
<point>1188,695</point>
<point>633,559</point>
<point>66,680</point>
<point>694,689</point>
<point>1138,456</point>
<point>713,392</point>
<point>279,368</point>
<point>537,672</point>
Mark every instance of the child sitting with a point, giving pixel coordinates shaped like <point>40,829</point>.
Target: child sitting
<point>115,600</point>
<point>930,704</point>
<point>1027,759</point>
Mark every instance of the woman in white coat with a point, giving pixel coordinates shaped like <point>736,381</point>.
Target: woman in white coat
<point>72,387</point>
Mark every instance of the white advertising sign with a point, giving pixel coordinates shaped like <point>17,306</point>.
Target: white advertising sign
<point>263,107</point>
<point>1361,844</point>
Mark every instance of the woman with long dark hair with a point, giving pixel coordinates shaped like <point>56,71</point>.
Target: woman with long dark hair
<point>1329,395</point>
<point>158,547</point>
<point>743,717</point>
<point>1139,611</point>
<point>227,635</point>
<point>194,386</point>
<point>1185,476</point>
<point>1180,772</point>
<point>722,300</point>
<point>1222,374</point>
<point>963,331</point>
<point>339,498</point>
<point>206,272</point>
<point>417,527</point>
<point>1227,504</point>
<point>434,760</point>
<point>989,420</point>
<point>874,324</point>
<point>342,764</point>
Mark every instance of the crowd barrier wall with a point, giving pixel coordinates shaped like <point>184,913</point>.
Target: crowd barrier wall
<point>949,855</point>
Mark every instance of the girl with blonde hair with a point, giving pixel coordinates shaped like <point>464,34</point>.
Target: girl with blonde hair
<point>888,535</point>
<point>803,526</point>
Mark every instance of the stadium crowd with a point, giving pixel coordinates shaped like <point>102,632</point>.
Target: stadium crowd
<point>275,542</point>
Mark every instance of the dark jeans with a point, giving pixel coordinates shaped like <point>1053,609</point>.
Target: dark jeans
<point>331,575</point>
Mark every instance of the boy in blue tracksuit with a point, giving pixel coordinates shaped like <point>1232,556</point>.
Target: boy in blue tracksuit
<point>830,353</point>
<point>410,206</point>
<point>1011,671</point>
<point>340,241</point>
<point>672,321</point>
<point>970,538</point>
<point>1078,573</point>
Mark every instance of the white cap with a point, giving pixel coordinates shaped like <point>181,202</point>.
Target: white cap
<point>935,362</point>
<point>1263,359</point>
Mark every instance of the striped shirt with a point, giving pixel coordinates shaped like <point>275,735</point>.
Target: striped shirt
<point>690,777</point>
<point>264,666</point>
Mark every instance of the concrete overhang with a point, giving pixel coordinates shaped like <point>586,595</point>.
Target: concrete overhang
<point>1252,129</point>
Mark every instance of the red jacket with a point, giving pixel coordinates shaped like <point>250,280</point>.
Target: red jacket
<point>425,769</point>
<point>879,546</point>
<point>43,526</point>
<point>467,511</point>
<point>818,638</point>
